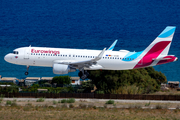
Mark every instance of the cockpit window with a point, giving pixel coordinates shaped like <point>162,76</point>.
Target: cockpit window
<point>15,52</point>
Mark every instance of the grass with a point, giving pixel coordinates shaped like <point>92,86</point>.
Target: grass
<point>50,113</point>
<point>84,111</point>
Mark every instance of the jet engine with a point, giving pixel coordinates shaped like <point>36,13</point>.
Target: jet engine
<point>62,69</point>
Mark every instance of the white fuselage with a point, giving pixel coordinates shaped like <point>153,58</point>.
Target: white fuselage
<point>41,56</point>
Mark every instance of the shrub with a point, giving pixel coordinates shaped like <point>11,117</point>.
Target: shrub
<point>94,107</point>
<point>40,100</point>
<point>147,104</point>
<point>8,102</point>
<point>71,100</point>
<point>54,102</point>
<point>99,92</point>
<point>110,102</point>
<point>63,101</point>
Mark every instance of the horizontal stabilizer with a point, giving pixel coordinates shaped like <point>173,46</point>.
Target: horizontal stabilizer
<point>164,58</point>
<point>161,59</point>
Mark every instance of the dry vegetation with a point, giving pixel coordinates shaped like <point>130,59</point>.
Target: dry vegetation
<point>167,92</point>
<point>61,113</point>
<point>82,109</point>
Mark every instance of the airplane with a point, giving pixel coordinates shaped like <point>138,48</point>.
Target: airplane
<point>63,60</point>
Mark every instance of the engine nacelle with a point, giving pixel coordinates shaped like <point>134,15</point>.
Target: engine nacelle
<point>62,69</point>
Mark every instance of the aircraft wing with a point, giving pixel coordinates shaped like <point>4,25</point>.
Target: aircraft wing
<point>112,46</point>
<point>81,64</point>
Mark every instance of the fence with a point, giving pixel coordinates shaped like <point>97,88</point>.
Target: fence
<point>92,96</point>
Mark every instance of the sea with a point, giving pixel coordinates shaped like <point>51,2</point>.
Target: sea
<point>85,24</point>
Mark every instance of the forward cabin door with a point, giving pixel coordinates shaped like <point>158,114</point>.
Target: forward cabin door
<point>26,53</point>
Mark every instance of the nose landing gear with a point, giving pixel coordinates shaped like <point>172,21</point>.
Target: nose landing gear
<point>26,73</point>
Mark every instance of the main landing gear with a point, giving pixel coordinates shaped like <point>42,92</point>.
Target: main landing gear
<point>26,73</point>
<point>83,74</point>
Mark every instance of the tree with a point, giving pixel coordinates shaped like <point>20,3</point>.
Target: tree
<point>63,80</point>
<point>86,87</point>
<point>146,79</point>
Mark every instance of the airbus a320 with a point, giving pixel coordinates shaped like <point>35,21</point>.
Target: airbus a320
<point>63,60</point>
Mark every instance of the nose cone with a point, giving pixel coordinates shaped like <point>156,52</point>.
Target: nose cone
<point>8,58</point>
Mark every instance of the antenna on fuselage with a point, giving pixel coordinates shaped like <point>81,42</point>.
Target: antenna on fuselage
<point>30,46</point>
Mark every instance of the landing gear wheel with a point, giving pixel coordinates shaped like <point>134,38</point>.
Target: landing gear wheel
<point>87,74</point>
<point>83,74</point>
<point>83,77</point>
<point>26,73</point>
<point>80,74</point>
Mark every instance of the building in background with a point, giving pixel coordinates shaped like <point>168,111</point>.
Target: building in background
<point>75,81</point>
<point>9,80</point>
<point>31,80</point>
<point>47,79</point>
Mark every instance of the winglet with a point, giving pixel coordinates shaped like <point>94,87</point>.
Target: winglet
<point>112,46</point>
<point>100,55</point>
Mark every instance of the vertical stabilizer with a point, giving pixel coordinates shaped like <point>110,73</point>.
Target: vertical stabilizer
<point>162,43</point>
<point>159,47</point>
